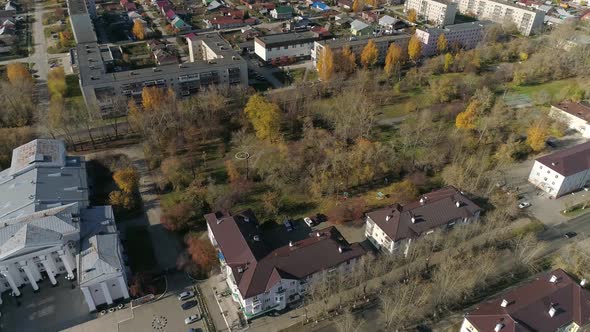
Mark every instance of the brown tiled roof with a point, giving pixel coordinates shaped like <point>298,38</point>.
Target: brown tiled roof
<point>262,268</point>
<point>569,161</point>
<point>434,209</point>
<point>580,110</point>
<point>529,305</point>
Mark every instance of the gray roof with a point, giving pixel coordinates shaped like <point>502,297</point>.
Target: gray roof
<point>358,25</point>
<point>361,40</point>
<point>83,28</point>
<point>283,39</point>
<point>387,20</point>
<point>462,27</point>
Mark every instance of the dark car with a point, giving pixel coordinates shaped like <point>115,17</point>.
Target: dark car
<point>569,235</point>
<point>188,304</point>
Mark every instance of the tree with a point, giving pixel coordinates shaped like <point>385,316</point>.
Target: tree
<point>175,172</point>
<point>412,15</point>
<point>325,65</point>
<point>537,135</point>
<point>121,199</point>
<point>358,5</point>
<point>347,61</point>
<point>138,29</point>
<point>414,48</point>
<point>404,192</point>
<point>177,217</point>
<point>264,116</point>
<point>442,43</point>
<point>202,253</point>
<point>56,82</point>
<point>448,62</point>
<point>467,118</point>
<point>271,201</point>
<point>233,174</point>
<point>153,97</point>
<point>370,54</point>
<point>17,73</point>
<point>64,38</point>
<point>393,58</point>
<point>127,179</point>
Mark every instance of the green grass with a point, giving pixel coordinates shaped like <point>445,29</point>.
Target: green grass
<point>553,88</point>
<point>73,86</point>
<point>138,49</point>
<point>534,226</point>
<point>576,210</point>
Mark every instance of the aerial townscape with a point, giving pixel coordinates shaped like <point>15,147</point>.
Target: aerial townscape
<point>295,165</point>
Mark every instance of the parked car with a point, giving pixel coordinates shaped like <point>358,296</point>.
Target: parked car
<point>523,205</point>
<point>551,142</point>
<point>309,221</point>
<point>569,235</point>
<point>186,295</point>
<point>191,319</point>
<point>188,304</point>
<point>288,225</point>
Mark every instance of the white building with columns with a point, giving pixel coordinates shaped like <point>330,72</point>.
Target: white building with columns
<point>45,220</point>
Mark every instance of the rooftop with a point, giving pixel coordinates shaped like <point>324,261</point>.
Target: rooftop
<point>569,161</point>
<point>360,40</point>
<point>462,26</point>
<point>539,305</point>
<point>579,110</point>
<point>433,210</point>
<point>290,38</point>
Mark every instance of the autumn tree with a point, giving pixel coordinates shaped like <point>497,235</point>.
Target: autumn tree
<point>121,199</point>
<point>467,118</point>
<point>442,43</point>
<point>153,97</point>
<point>537,135</point>
<point>264,116</point>
<point>414,48</point>
<point>412,15</point>
<point>17,73</point>
<point>175,172</point>
<point>347,60</point>
<point>358,5</point>
<point>448,62</point>
<point>233,174</point>
<point>56,82</point>
<point>325,64</point>
<point>127,179</point>
<point>138,29</point>
<point>370,54</point>
<point>393,59</point>
<point>202,253</point>
<point>404,192</point>
<point>271,200</point>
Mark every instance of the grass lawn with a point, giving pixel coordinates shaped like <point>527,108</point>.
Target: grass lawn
<point>298,74</point>
<point>137,49</point>
<point>576,210</point>
<point>138,246</point>
<point>553,88</point>
<point>73,86</point>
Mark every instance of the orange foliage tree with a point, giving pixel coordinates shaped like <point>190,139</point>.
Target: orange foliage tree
<point>138,29</point>
<point>325,64</point>
<point>412,15</point>
<point>17,73</point>
<point>202,253</point>
<point>370,54</point>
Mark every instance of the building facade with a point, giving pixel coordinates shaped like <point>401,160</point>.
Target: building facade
<point>465,36</point>
<point>292,45</point>
<point>47,225</point>
<point>357,44</point>
<point>562,172</point>
<point>552,301</point>
<point>394,228</point>
<point>437,12</point>
<point>527,20</point>
<point>576,115</point>
<point>264,277</point>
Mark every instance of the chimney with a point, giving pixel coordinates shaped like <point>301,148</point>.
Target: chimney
<point>553,279</point>
<point>218,221</point>
<point>240,269</point>
<point>291,244</point>
<point>422,200</point>
<point>340,249</point>
<point>584,282</point>
<point>318,234</point>
<point>504,303</point>
<point>498,327</point>
<point>552,310</point>
<point>458,204</point>
<point>413,220</point>
<point>387,218</point>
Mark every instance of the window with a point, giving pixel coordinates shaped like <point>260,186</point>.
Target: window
<point>61,268</point>
<point>545,179</point>
<point>548,172</point>
<point>96,290</point>
<point>57,260</point>
<point>6,285</point>
<point>553,183</point>
<point>541,167</point>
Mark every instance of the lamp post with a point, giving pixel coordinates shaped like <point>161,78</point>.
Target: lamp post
<point>243,155</point>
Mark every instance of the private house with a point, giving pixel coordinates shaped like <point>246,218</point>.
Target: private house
<point>319,6</point>
<point>396,227</point>
<point>345,4</point>
<point>226,22</point>
<point>576,115</point>
<point>50,231</point>
<point>282,13</point>
<point>387,23</point>
<point>370,16</point>
<point>562,172</point>
<point>360,28</point>
<point>552,301</point>
<point>263,278</point>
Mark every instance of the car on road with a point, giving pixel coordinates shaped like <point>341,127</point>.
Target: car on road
<point>569,235</point>
<point>523,205</point>
<point>586,188</point>
<point>188,304</point>
<point>288,225</point>
<point>309,221</point>
<point>191,319</point>
<point>192,329</point>
<point>186,295</point>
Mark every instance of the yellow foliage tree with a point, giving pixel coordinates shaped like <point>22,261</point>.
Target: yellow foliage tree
<point>232,171</point>
<point>127,179</point>
<point>442,43</point>
<point>347,61</point>
<point>56,82</point>
<point>448,62</point>
<point>325,64</point>
<point>358,5</point>
<point>412,15</point>
<point>393,58</point>
<point>537,135</point>
<point>138,29</point>
<point>153,97</point>
<point>372,3</point>
<point>414,48</point>
<point>17,73</point>
<point>523,56</point>
<point>370,54</point>
<point>467,118</point>
<point>264,116</point>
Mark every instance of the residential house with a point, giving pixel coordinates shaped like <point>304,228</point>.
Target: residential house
<point>562,172</point>
<point>319,6</point>
<point>370,16</point>
<point>214,5</point>
<point>357,44</point>
<point>552,301</point>
<point>163,57</point>
<point>225,22</point>
<point>387,23</point>
<point>576,115</point>
<point>360,28</point>
<point>345,4</point>
<point>459,36</point>
<point>170,15</point>
<point>282,13</point>
<point>396,227</point>
<point>264,278</point>
<point>179,24</point>
<point>285,47</point>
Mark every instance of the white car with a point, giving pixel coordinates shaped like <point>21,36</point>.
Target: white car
<point>186,295</point>
<point>191,319</point>
<point>523,205</point>
<point>308,221</point>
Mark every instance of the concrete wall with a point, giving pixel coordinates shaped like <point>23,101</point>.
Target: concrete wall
<point>573,121</point>
<point>268,54</point>
<point>554,183</point>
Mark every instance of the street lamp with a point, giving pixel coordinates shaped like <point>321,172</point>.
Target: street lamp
<point>243,155</point>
